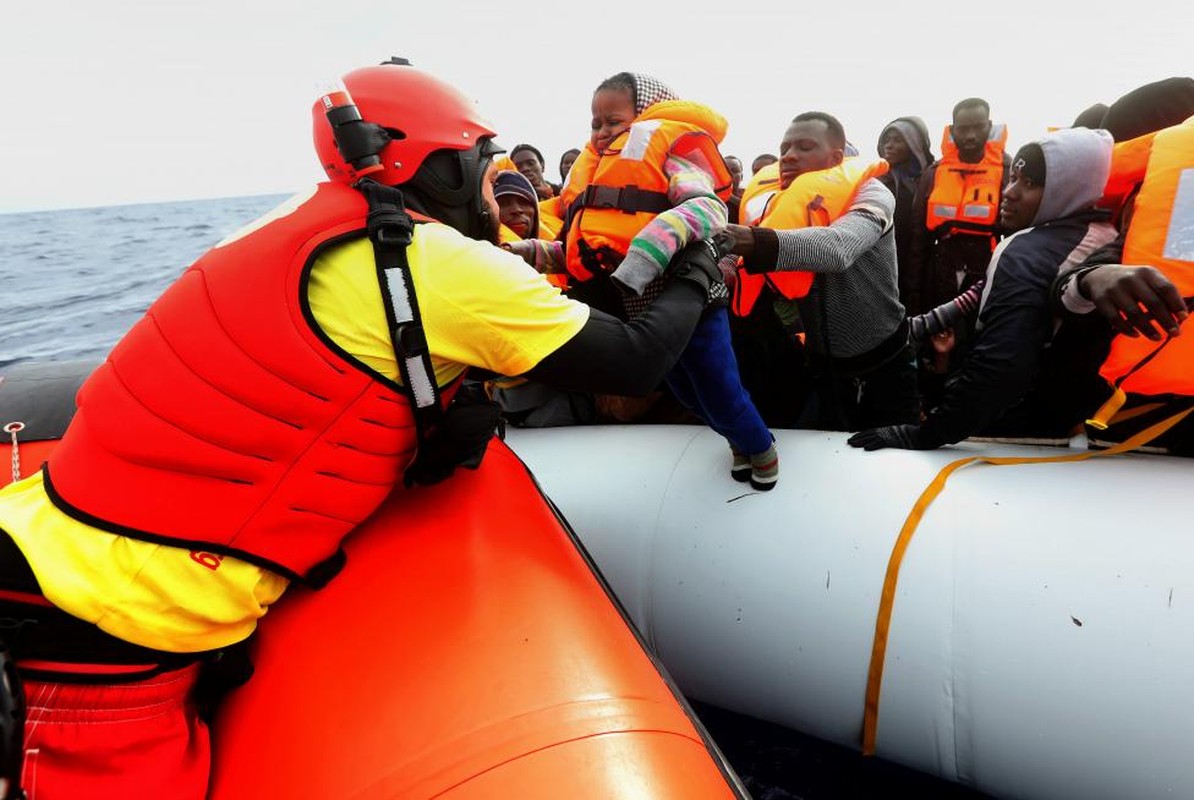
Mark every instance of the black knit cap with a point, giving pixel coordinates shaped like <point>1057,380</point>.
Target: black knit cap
<point>1150,108</point>
<point>1030,162</point>
<point>511,182</point>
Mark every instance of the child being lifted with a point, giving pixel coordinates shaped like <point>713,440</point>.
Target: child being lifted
<point>649,182</point>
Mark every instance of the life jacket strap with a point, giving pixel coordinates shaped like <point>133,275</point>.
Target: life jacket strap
<point>391,230</point>
<point>627,199</point>
<point>950,229</point>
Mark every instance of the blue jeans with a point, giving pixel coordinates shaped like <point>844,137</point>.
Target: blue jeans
<point>706,381</point>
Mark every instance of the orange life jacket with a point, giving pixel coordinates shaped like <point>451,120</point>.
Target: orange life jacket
<point>757,195</point>
<point>551,220</point>
<point>812,199</point>
<point>1161,235</point>
<point>613,195</point>
<point>965,196</point>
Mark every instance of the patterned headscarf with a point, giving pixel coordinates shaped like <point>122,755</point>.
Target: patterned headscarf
<point>648,91</point>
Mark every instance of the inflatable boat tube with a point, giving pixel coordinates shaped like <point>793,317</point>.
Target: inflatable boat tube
<point>1040,640</point>
<point>468,650</point>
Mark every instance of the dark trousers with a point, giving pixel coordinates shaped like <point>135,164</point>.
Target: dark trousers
<point>884,395</point>
<point>706,381</point>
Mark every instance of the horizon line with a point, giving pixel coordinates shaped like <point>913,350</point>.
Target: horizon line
<point>46,209</point>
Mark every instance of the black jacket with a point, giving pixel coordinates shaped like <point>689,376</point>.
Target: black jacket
<point>1015,324</point>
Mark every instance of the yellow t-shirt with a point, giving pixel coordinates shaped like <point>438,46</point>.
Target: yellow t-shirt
<point>481,306</point>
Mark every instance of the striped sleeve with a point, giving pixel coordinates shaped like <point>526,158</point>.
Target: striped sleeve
<point>838,246</point>
<point>697,213</point>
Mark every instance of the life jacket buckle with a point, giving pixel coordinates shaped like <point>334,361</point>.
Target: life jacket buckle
<point>410,339</point>
<point>602,197</point>
<point>396,229</point>
<point>628,200</point>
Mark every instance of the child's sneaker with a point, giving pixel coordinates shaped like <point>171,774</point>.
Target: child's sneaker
<point>740,469</point>
<point>764,469</point>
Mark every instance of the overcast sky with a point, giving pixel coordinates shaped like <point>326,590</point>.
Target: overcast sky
<point>132,101</point>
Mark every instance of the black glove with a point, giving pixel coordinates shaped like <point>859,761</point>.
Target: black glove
<point>905,437</point>
<point>460,440</point>
<point>697,262</point>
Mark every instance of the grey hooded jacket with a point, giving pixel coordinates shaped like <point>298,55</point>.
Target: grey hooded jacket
<point>1016,321</point>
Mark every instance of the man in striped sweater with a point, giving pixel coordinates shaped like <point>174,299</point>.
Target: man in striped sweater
<point>863,372</point>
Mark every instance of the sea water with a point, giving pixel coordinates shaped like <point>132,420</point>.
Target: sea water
<point>72,282</point>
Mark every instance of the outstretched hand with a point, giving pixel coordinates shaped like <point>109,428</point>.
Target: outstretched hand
<point>741,239</point>
<point>905,437</point>
<point>524,249</point>
<point>1133,298</point>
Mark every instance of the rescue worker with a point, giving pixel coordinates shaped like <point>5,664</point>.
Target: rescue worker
<point>825,244</point>
<point>956,211</point>
<point>1050,207</point>
<point>266,404</point>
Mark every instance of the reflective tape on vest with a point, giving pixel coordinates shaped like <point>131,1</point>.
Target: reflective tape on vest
<point>640,136</point>
<point>1179,241</point>
<point>945,211</point>
<point>421,385</point>
<point>753,210</point>
<point>975,211</point>
<point>399,296</point>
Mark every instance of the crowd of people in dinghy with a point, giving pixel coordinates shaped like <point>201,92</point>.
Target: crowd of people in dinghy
<point>914,298</point>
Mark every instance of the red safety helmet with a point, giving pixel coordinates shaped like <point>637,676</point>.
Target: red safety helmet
<point>420,113</point>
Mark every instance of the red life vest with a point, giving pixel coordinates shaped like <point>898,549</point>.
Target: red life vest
<point>613,195</point>
<point>812,199</point>
<point>966,196</point>
<point>1161,235</point>
<point>225,421</point>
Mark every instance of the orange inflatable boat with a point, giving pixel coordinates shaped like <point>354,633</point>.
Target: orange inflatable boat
<point>469,649</point>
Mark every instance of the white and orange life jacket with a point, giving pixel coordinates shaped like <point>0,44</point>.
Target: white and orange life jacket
<point>613,195</point>
<point>965,196</point>
<point>811,199</point>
